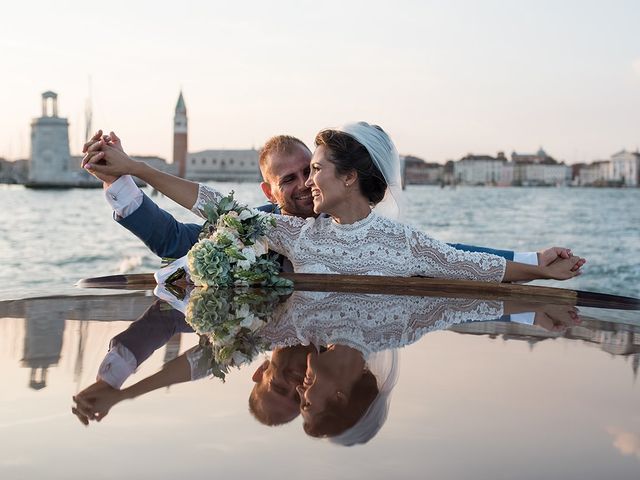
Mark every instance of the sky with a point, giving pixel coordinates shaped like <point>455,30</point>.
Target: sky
<point>443,78</point>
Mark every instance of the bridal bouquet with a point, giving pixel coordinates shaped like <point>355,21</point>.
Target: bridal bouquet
<point>228,322</point>
<point>232,249</point>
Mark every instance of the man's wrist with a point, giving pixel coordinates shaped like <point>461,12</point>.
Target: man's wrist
<point>124,196</point>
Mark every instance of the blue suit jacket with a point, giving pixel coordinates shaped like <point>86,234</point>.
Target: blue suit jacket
<point>166,237</point>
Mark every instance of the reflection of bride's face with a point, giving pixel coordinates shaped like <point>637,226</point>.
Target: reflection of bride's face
<point>318,387</point>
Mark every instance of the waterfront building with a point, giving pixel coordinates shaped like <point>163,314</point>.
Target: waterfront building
<point>419,172</point>
<point>597,174</point>
<point>224,165</point>
<point>180,132</point>
<point>480,169</point>
<point>625,168</point>
<point>14,172</point>
<point>539,169</point>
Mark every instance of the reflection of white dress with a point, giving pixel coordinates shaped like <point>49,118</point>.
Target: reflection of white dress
<point>372,246</point>
<point>369,322</point>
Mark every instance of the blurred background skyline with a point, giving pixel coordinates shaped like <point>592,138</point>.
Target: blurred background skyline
<point>443,78</point>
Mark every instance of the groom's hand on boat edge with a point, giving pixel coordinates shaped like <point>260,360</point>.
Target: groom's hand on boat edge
<point>548,256</point>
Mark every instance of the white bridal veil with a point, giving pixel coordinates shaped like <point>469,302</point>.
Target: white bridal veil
<point>385,157</point>
<point>384,366</point>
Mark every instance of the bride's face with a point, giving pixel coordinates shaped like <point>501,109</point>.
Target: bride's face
<point>327,186</point>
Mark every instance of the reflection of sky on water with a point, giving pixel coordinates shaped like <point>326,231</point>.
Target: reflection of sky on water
<point>465,406</point>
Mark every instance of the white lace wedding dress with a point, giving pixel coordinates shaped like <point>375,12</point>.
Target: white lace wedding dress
<point>372,246</point>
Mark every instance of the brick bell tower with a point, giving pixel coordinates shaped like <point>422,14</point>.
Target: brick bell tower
<point>180,137</point>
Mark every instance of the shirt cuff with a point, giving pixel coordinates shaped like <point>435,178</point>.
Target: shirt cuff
<point>117,366</point>
<point>525,318</point>
<point>530,258</point>
<point>124,196</point>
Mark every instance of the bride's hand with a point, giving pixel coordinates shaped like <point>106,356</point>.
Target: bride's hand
<point>564,269</point>
<point>107,158</point>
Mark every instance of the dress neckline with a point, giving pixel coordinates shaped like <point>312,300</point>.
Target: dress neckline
<point>355,225</point>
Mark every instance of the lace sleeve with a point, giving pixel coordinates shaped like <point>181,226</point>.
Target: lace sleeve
<point>206,195</point>
<point>283,237</point>
<point>434,258</point>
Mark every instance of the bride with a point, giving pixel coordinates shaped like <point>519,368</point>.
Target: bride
<point>353,169</point>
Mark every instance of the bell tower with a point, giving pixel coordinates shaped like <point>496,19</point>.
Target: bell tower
<point>180,137</point>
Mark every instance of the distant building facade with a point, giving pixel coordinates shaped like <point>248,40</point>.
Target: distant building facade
<point>539,169</point>
<point>625,168</point>
<point>480,169</point>
<point>224,165</point>
<point>419,172</point>
<point>14,172</point>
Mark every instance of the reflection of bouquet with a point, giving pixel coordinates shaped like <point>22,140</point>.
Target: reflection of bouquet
<point>232,249</point>
<point>228,322</point>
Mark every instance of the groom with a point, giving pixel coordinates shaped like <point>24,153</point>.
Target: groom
<point>284,165</point>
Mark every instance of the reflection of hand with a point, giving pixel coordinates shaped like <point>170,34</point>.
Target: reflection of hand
<point>548,256</point>
<point>95,401</point>
<point>556,318</point>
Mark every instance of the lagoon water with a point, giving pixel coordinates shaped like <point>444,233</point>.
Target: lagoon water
<point>50,239</point>
<point>474,399</point>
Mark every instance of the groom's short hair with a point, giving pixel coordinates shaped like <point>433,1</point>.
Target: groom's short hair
<point>278,145</point>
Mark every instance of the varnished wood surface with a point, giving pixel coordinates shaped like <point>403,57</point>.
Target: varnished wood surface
<point>432,287</point>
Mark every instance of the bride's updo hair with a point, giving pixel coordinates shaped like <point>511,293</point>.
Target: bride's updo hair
<point>347,154</point>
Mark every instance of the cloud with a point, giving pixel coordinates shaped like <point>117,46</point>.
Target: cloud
<point>626,443</point>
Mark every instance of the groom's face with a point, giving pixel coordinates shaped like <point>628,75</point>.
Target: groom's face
<point>285,176</point>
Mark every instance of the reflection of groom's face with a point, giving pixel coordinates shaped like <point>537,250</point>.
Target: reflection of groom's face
<point>274,399</point>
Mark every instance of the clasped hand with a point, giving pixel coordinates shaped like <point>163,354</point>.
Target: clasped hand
<point>105,158</point>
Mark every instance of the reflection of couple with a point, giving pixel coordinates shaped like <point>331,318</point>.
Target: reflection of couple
<point>330,361</point>
<point>352,169</point>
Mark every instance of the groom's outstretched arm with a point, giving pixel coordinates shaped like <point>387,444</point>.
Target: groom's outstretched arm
<point>507,254</point>
<point>160,232</point>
